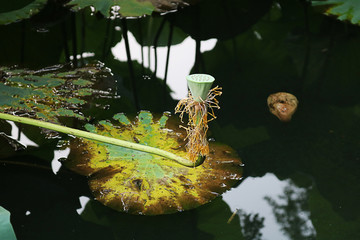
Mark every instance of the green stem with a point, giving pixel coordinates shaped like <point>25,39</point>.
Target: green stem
<point>100,138</point>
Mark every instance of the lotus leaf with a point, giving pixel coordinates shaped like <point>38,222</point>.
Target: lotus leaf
<point>22,13</point>
<point>342,9</point>
<point>128,8</point>
<point>49,93</point>
<point>146,29</point>
<point>6,230</point>
<point>142,183</point>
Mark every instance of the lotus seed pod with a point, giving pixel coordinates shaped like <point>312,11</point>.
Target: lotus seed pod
<point>200,85</point>
<point>283,105</point>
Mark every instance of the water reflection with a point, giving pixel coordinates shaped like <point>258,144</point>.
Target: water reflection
<point>182,59</point>
<point>251,225</point>
<point>20,136</point>
<point>290,210</point>
<point>58,154</point>
<point>268,206</point>
<point>83,201</point>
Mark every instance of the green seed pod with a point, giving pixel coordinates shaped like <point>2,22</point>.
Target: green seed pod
<point>200,85</point>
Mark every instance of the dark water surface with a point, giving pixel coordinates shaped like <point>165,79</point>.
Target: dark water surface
<point>301,179</point>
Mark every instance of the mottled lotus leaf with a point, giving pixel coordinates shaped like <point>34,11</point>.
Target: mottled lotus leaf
<point>143,183</point>
<point>22,13</point>
<point>6,230</point>
<point>348,10</point>
<point>49,93</point>
<point>128,8</point>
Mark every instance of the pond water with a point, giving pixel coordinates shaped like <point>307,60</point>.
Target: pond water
<point>301,178</point>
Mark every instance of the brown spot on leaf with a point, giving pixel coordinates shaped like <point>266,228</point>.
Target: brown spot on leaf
<point>137,183</point>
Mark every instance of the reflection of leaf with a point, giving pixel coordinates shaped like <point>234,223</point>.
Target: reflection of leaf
<point>251,62</point>
<point>50,209</point>
<point>329,149</point>
<point>251,225</point>
<point>47,93</point>
<point>149,27</point>
<point>213,219</point>
<point>40,48</point>
<point>142,183</point>
<point>6,230</point>
<point>157,99</point>
<point>22,13</point>
<point>292,214</point>
<point>99,35</point>
<point>206,222</point>
<point>240,138</point>
<point>342,9</point>
<point>328,223</point>
<point>220,19</point>
<point>270,58</point>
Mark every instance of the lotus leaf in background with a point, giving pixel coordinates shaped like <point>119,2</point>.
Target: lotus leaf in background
<point>21,13</point>
<point>98,36</point>
<point>49,93</point>
<point>6,230</point>
<point>141,183</point>
<point>210,223</point>
<point>128,8</point>
<point>344,10</point>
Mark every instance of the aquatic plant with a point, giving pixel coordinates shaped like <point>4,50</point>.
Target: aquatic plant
<point>25,12</point>
<point>6,229</point>
<point>100,138</point>
<point>51,93</point>
<point>344,10</point>
<point>140,166</point>
<point>131,169</point>
<point>46,96</point>
<point>200,103</point>
<point>143,183</point>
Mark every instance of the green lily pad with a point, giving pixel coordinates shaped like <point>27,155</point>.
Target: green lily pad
<point>49,93</point>
<point>128,8</point>
<point>6,230</point>
<point>348,10</point>
<point>142,183</point>
<point>22,13</point>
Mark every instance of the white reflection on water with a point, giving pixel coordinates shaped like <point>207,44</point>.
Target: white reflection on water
<point>24,140</point>
<point>182,59</point>
<point>83,201</point>
<point>250,195</point>
<point>55,164</point>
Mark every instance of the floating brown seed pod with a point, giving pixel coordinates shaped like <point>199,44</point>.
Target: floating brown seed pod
<point>283,105</point>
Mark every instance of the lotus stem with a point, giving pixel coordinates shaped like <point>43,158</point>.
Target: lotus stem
<point>101,138</point>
